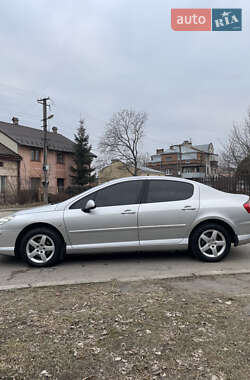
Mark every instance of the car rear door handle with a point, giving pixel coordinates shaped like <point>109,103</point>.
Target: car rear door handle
<point>188,208</point>
<point>128,212</point>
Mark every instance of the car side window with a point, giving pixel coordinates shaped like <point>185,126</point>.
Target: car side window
<point>167,191</point>
<point>124,193</point>
<point>81,203</point>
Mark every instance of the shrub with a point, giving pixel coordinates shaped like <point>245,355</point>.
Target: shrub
<point>57,198</point>
<point>75,190</point>
<point>27,196</point>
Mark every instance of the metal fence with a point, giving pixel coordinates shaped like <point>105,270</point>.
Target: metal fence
<point>19,197</point>
<point>237,185</point>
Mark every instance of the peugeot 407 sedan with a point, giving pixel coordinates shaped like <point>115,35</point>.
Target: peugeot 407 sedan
<point>131,214</point>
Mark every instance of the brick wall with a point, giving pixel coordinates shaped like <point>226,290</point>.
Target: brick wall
<point>34,169</point>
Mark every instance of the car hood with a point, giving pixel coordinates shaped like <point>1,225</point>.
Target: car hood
<point>46,208</point>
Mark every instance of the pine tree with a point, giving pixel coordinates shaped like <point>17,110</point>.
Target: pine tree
<point>83,157</point>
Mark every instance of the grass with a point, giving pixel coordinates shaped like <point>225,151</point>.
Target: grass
<point>140,330</point>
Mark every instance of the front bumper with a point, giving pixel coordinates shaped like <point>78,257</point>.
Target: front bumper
<point>7,241</point>
<point>244,239</point>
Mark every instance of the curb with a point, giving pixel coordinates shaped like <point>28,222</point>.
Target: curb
<point>21,208</point>
<point>129,279</point>
<point>10,209</point>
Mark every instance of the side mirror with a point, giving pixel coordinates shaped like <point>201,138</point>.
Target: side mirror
<point>90,205</point>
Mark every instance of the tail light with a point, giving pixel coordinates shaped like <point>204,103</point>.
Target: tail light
<point>247,206</point>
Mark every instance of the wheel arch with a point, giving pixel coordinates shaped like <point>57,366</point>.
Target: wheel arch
<point>234,237</point>
<point>31,227</point>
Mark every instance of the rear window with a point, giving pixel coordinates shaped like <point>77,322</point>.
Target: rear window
<point>168,191</point>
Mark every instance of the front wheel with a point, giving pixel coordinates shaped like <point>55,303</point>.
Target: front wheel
<point>210,242</point>
<point>41,247</point>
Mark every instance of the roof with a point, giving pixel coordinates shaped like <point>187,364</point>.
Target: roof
<point>33,137</point>
<point>187,149</point>
<point>145,169</point>
<point>4,151</point>
<point>203,148</point>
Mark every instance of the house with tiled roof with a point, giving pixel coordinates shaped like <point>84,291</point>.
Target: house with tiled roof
<point>9,170</point>
<point>116,169</point>
<point>21,158</point>
<point>186,160</point>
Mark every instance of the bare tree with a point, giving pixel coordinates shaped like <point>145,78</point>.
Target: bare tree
<point>237,147</point>
<point>123,137</point>
<point>144,159</point>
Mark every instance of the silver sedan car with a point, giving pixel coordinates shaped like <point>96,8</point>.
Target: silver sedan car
<point>131,214</point>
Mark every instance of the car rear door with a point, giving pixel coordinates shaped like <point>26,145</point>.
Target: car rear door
<point>167,211</point>
<point>113,223</point>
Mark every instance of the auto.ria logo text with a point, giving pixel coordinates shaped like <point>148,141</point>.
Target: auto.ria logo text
<point>206,19</point>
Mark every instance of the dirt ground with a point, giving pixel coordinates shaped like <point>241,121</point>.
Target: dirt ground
<point>163,329</point>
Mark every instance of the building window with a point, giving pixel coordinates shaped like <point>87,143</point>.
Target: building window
<point>3,183</point>
<point>1,164</point>
<point>189,156</point>
<point>60,185</point>
<point>59,158</point>
<point>35,183</point>
<point>35,155</point>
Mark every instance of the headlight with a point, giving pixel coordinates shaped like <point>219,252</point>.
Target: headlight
<point>6,219</point>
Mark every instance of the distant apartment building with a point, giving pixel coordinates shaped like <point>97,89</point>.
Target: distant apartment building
<point>21,158</point>
<point>186,160</point>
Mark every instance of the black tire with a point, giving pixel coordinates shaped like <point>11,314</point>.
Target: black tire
<point>53,240</point>
<point>222,247</point>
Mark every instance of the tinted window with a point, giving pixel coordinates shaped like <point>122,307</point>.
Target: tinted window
<point>80,204</point>
<point>124,193</point>
<point>166,191</point>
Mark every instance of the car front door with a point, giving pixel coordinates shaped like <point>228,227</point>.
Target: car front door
<point>112,224</point>
<point>167,211</point>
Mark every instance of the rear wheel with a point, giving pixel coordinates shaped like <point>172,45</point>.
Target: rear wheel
<point>210,242</point>
<point>41,247</point>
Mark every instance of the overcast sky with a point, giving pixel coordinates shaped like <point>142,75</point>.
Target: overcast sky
<point>96,57</point>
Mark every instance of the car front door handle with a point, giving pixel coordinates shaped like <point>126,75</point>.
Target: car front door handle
<point>188,208</point>
<point>128,212</point>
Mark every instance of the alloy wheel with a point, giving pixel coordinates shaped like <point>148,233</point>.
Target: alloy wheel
<point>212,243</point>
<point>40,248</point>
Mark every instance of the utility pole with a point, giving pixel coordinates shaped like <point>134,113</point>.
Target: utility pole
<point>44,101</point>
<point>179,159</point>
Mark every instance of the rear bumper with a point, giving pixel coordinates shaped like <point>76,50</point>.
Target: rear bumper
<point>7,251</point>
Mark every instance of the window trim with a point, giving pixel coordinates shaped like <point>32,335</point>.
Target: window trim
<point>62,155</point>
<point>60,187</point>
<point>39,152</point>
<point>3,181</point>
<point>37,180</point>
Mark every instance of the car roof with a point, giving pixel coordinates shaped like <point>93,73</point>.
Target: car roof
<point>124,179</point>
<point>153,177</point>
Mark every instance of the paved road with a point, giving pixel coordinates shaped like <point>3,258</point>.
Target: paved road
<point>120,266</point>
